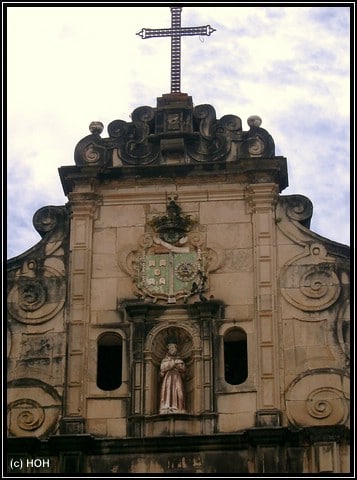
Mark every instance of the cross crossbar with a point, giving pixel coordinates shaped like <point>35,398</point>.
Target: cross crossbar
<point>175,32</point>
<point>171,32</point>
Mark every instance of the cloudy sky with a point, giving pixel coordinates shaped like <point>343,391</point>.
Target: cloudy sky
<point>67,66</point>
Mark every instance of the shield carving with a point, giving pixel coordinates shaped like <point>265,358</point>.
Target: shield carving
<point>171,275</point>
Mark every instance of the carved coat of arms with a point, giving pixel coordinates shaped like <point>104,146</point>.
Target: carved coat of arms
<point>170,273</point>
<point>172,263</point>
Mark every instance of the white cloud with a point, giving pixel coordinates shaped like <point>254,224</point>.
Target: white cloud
<point>71,65</point>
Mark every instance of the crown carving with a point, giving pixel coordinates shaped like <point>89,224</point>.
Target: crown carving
<point>172,226</point>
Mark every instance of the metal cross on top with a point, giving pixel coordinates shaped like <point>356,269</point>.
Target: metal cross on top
<point>175,32</point>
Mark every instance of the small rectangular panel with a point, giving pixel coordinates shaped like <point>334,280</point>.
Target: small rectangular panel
<point>79,231</point>
<point>76,368</point>
<point>265,271</point>
<point>207,371</point>
<point>78,285</point>
<point>266,328</point>
<point>137,374</point>
<point>78,259</point>
<point>137,403</point>
<point>77,338</point>
<point>264,251</point>
<point>73,402</point>
<point>207,399</point>
<point>268,393</point>
<point>265,302</point>
<point>263,222</point>
<point>267,360</point>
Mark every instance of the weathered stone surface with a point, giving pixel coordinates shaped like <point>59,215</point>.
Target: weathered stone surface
<point>180,236</point>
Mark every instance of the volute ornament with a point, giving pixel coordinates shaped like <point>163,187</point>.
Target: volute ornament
<point>310,282</point>
<point>318,397</point>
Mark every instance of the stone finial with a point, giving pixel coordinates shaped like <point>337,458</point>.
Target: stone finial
<point>254,121</point>
<point>96,128</point>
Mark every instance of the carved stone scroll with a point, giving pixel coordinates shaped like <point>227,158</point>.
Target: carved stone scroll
<point>156,135</point>
<point>35,300</point>
<point>211,144</point>
<point>310,283</point>
<point>132,139</point>
<point>318,397</point>
<point>33,408</point>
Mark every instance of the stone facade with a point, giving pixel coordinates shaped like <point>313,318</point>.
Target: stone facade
<point>176,228</point>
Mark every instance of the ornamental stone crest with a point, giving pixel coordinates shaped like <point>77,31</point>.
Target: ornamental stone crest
<point>171,266</point>
<point>171,273</point>
<point>175,132</point>
<point>172,262</point>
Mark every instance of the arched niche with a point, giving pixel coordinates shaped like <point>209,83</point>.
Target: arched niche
<point>193,326</point>
<point>188,349</point>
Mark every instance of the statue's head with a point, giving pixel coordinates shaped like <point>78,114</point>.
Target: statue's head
<point>172,348</point>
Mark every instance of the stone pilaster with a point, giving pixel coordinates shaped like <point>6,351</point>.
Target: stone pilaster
<point>262,199</point>
<point>83,207</point>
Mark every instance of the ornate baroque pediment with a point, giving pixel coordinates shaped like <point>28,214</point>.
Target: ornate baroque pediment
<point>174,132</point>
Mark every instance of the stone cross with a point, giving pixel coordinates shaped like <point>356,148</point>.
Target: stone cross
<point>175,32</point>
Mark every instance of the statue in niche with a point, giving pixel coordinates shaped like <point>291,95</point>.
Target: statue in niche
<point>172,374</point>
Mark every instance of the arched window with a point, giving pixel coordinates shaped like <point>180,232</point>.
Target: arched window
<point>235,356</point>
<point>109,361</point>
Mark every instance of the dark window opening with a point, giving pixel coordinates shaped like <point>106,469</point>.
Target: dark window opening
<point>109,362</point>
<point>235,357</point>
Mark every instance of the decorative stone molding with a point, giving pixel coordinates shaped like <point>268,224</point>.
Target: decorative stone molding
<point>84,206</point>
<point>297,208</point>
<point>33,408</point>
<point>36,279</point>
<point>132,139</point>
<point>91,150</point>
<point>258,142</point>
<point>51,222</point>
<point>343,327</point>
<point>318,397</point>
<point>35,300</point>
<point>215,137</point>
<point>268,418</point>
<point>293,216</point>
<point>310,282</point>
<point>262,198</point>
<point>156,135</point>
<point>72,426</point>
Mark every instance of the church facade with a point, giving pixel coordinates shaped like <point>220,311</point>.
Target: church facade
<point>178,314</point>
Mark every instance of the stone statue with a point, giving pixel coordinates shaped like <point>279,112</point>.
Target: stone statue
<point>172,374</point>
